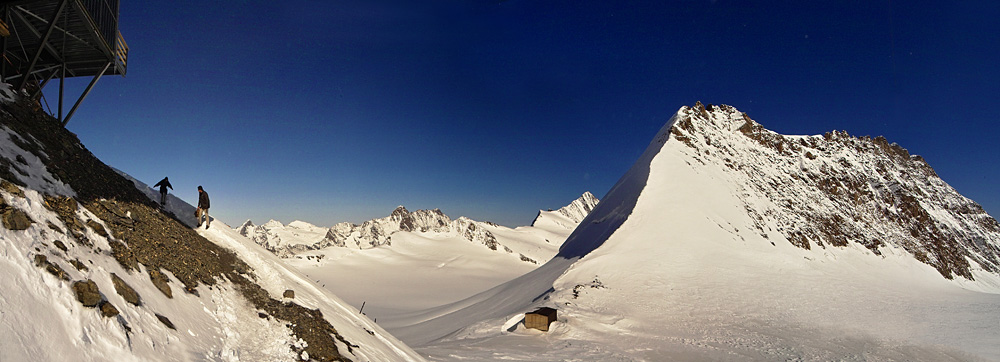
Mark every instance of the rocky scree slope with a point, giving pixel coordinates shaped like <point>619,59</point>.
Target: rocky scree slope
<point>835,189</point>
<point>92,200</point>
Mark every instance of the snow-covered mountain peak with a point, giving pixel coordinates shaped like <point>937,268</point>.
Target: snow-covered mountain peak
<point>837,190</point>
<point>298,224</point>
<point>726,235</point>
<point>579,208</point>
<point>569,215</point>
<point>246,225</point>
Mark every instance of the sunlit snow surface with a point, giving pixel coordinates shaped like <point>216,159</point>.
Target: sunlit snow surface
<point>670,266</point>
<point>41,319</point>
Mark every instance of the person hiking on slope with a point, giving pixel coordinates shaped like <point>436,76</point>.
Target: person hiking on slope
<point>163,185</point>
<point>203,206</point>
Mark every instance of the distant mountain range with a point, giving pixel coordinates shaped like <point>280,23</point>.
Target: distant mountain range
<point>549,228</point>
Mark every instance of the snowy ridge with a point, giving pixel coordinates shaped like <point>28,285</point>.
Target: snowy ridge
<point>686,258</point>
<point>532,244</point>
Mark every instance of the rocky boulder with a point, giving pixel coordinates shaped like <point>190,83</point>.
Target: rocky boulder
<point>124,290</point>
<point>87,293</point>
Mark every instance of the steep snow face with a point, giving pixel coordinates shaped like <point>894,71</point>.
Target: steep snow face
<point>687,258</point>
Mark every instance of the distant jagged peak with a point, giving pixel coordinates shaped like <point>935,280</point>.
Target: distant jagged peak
<point>399,212</point>
<point>580,208</point>
<point>576,211</point>
<point>246,224</point>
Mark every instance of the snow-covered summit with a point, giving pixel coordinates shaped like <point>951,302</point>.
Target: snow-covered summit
<point>726,241</point>
<point>569,215</point>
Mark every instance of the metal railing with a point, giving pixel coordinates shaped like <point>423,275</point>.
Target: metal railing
<point>104,13</point>
<point>121,54</point>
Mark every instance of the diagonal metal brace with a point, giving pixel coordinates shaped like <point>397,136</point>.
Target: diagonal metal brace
<point>85,93</point>
<point>45,40</point>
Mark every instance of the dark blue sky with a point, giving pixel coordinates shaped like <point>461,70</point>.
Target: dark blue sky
<point>329,111</point>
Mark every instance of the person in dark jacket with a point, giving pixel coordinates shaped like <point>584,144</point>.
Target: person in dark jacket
<point>163,185</point>
<point>203,205</point>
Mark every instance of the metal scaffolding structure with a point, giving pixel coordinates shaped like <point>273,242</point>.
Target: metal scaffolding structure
<point>46,39</point>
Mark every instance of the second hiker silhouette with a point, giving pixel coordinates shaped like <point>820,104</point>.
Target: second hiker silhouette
<point>163,185</point>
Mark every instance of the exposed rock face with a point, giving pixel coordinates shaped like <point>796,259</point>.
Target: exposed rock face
<point>836,189</point>
<point>160,281</point>
<point>14,219</point>
<point>11,188</point>
<point>108,310</point>
<point>166,321</point>
<point>124,290</point>
<point>42,261</point>
<point>87,293</point>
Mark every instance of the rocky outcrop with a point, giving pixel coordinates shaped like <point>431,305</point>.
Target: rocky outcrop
<point>87,293</point>
<point>43,262</point>
<point>834,190</point>
<point>125,290</point>
<point>12,217</point>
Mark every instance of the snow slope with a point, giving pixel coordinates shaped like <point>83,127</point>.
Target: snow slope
<point>41,318</point>
<point>673,265</point>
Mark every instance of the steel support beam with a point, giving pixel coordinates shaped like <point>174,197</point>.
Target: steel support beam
<point>3,59</point>
<point>85,93</point>
<point>62,87</point>
<point>46,81</point>
<point>45,39</point>
<point>36,33</point>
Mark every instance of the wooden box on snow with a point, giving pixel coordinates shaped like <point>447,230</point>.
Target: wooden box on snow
<point>540,319</point>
